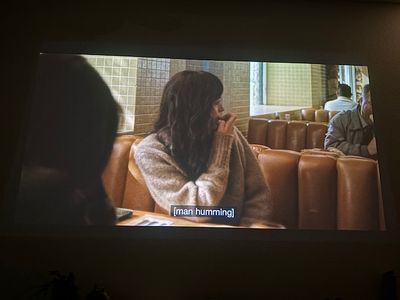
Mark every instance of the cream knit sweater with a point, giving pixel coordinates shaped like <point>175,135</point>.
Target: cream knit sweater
<point>233,179</point>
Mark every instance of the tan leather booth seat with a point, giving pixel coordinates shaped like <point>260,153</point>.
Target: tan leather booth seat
<point>332,113</point>
<point>317,115</point>
<point>311,189</point>
<point>136,196</point>
<point>257,149</point>
<point>317,186</point>
<point>288,135</point>
<point>114,175</point>
<point>358,207</point>
<point>280,172</point>
<point>123,182</point>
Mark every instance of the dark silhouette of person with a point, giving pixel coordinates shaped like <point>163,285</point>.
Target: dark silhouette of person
<point>70,135</point>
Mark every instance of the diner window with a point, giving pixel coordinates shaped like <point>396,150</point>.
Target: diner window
<point>258,83</point>
<point>283,89</point>
<point>347,75</point>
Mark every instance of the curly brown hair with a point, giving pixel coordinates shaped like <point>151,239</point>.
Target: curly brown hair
<point>185,125</point>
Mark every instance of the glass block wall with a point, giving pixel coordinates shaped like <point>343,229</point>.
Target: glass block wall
<point>296,84</point>
<point>289,84</point>
<point>120,74</point>
<point>137,84</point>
<point>152,75</point>
<point>236,80</point>
<point>318,85</point>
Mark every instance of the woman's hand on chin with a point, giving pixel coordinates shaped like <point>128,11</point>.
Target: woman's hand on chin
<point>226,123</point>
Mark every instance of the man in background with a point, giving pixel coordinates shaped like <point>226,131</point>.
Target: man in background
<point>343,101</point>
<point>351,131</point>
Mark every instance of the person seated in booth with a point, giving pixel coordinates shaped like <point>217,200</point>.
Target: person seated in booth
<point>74,120</point>
<point>196,156</point>
<point>343,101</point>
<point>352,131</point>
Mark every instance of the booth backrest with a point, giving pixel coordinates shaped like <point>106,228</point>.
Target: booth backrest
<point>320,190</point>
<point>310,189</point>
<point>136,195</point>
<point>123,181</point>
<point>289,135</point>
<point>317,115</point>
<point>115,173</point>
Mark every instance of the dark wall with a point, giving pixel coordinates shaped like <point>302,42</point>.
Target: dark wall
<point>334,32</point>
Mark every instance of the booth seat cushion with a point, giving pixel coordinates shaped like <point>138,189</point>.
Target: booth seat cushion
<point>312,189</point>
<point>136,195</point>
<point>257,149</point>
<point>317,115</point>
<point>318,189</point>
<point>308,114</point>
<point>257,131</point>
<point>114,175</point>
<point>358,204</point>
<point>296,133</point>
<point>322,115</point>
<point>289,135</point>
<point>316,135</point>
<point>280,172</point>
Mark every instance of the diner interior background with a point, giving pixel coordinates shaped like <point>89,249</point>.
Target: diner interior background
<point>251,89</point>
<point>328,31</point>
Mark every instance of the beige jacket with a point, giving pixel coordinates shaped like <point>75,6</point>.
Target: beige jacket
<point>349,133</point>
<point>233,179</point>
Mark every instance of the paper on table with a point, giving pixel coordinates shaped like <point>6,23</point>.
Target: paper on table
<point>151,221</point>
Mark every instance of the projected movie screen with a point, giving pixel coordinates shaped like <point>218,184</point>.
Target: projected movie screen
<point>136,141</point>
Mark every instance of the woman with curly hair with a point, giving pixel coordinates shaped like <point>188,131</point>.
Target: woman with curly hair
<point>196,156</point>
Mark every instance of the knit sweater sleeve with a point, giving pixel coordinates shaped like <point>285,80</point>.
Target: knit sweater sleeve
<point>257,203</point>
<point>168,185</point>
